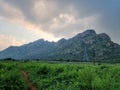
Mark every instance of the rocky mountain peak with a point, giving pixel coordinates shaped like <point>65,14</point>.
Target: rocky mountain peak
<point>62,40</point>
<point>89,32</point>
<point>104,36</point>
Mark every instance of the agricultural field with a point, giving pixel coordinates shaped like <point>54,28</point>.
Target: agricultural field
<point>59,76</point>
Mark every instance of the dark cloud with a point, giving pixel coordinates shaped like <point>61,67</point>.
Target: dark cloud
<point>76,15</point>
<point>25,6</point>
<point>109,21</point>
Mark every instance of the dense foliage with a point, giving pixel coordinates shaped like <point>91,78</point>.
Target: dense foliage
<point>60,76</point>
<point>11,77</point>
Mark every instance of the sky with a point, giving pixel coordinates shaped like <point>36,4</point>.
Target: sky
<point>24,21</point>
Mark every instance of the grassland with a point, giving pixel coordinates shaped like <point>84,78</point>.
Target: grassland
<point>60,76</point>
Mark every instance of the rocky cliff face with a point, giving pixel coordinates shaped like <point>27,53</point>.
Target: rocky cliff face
<point>84,46</point>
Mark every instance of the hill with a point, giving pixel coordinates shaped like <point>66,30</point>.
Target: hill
<point>84,46</point>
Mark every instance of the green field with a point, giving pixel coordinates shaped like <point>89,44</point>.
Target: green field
<point>60,76</point>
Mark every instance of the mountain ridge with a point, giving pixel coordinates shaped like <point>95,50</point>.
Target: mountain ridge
<point>87,45</point>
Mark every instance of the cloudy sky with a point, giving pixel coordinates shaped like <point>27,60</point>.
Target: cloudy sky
<point>23,21</point>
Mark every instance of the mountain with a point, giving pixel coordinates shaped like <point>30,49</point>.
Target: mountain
<point>84,46</point>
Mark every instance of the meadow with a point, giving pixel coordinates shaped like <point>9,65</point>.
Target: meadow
<point>59,76</point>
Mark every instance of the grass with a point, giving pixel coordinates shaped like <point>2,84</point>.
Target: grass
<point>60,76</point>
<point>11,77</point>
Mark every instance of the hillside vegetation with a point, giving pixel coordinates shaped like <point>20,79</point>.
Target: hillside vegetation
<point>85,46</point>
<point>60,76</point>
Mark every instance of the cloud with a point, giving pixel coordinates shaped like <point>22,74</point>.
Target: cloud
<point>8,12</point>
<point>7,40</point>
<point>67,25</point>
<point>41,14</point>
<point>38,31</point>
<point>54,19</point>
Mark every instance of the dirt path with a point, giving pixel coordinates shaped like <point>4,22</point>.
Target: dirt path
<point>27,80</point>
